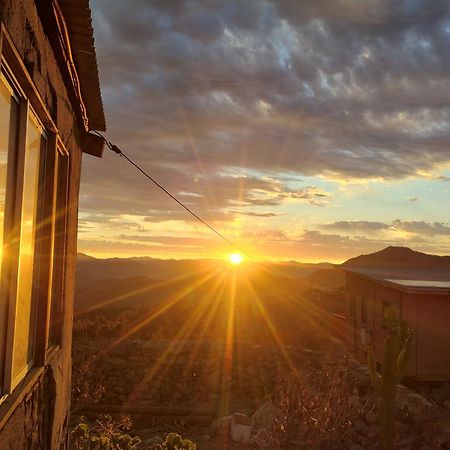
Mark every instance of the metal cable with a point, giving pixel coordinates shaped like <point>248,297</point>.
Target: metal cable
<point>117,150</point>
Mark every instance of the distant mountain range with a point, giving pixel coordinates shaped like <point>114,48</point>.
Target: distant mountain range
<point>90,269</point>
<point>144,280</point>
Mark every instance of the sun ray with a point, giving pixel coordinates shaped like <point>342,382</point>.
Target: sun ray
<point>148,319</point>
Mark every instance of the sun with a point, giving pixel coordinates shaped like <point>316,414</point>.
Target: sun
<point>235,258</point>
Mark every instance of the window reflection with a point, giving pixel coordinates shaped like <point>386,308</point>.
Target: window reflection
<point>8,122</point>
<point>25,311</point>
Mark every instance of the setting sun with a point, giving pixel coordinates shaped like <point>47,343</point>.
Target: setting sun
<point>235,258</point>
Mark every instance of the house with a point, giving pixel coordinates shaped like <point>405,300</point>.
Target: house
<point>423,303</point>
<point>49,100</point>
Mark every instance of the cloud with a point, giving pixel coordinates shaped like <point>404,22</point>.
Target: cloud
<point>421,227</point>
<point>367,227</point>
<point>254,214</point>
<point>230,104</point>
<point>349,90</point>
<point>359,226</point>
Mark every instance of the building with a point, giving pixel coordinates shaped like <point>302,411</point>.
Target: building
<point>49,99</point>
<point>424,304</point>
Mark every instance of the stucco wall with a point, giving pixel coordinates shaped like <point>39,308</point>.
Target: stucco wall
<point>430,315</point>
<point>40,421</point>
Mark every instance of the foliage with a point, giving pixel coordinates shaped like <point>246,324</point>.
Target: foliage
<point>83,391</point>
<point>318,406</point>
<point>395,358</point>
<point>175,442</point>
<point>106,434</point>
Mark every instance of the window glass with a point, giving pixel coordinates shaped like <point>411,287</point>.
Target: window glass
<point>59,249</point>
<point>25,310</point>
<point>8,124</point>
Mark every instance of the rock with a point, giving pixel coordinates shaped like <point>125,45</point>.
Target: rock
<point>266,415</point>
<point>153,440</point>
<point>371,417</point>
<point>441,394</point>
<point>414,403</point>
<point>357,447</point>
<point>221,423</point>
<point>360,426</point>
<point>240,427</point>
<point>298,445</point>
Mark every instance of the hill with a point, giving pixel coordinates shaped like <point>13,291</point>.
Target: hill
<point>401,262</point>
<point>326,278</point>
<point>90,269</point>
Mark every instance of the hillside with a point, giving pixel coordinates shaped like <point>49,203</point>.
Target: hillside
<point>90,269</point>
<point>326,278</point>
<point>402,262</point>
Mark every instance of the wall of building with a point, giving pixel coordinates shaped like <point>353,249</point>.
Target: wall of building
<point>40,421</point>
<point>376,296</point>
<point>429,316</point>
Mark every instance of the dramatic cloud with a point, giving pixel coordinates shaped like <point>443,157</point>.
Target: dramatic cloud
<point>364,227</point>
<point>231,104</point>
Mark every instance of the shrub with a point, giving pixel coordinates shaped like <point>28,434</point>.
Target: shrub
<point>175,442</point>
<point>106,434</point>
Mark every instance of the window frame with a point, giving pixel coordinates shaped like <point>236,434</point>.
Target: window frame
<point>59,247</point>
<point>30,102</point>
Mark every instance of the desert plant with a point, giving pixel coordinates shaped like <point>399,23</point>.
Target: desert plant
<point>318,406</point>
<point>175,442</point>
<point>106,434</point>
<point>395,358</point>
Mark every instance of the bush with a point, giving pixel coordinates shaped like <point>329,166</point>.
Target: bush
<point>107,434</point>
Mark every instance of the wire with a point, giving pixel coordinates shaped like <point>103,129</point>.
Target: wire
<point>117,150</point>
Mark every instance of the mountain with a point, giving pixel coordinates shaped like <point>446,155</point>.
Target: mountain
<point>326,278</point>
<point>401,262</point>
<point>90,269</point>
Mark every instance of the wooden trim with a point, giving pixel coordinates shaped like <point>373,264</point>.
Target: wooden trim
<point>13,236</point>
<point>44,253</point>
<point>60,245</point>
<point>8,247</point>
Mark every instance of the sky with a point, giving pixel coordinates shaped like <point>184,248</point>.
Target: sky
<point>305,130</point>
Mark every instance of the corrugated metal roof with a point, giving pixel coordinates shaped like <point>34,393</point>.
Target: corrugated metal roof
<point>424,284</point>
<point>77,16</point>
<point>419,281</point>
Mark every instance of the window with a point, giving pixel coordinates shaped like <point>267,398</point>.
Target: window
<point>61,202</point>
<point>22,152</point>
<point>34,171</point>
<point>8,126</point>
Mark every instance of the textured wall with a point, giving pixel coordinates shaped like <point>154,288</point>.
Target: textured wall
<point>40,421</point>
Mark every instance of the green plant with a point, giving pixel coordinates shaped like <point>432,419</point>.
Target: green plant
<point>395,358</point>
<point>106,434</point>
<point>175,442</point>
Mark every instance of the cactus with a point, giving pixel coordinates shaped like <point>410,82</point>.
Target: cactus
<point>395,358</point>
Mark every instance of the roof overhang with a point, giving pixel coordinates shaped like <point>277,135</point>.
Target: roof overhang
<point>68,24</point>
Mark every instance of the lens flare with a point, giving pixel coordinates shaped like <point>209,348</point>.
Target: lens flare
<point>235,258</point>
